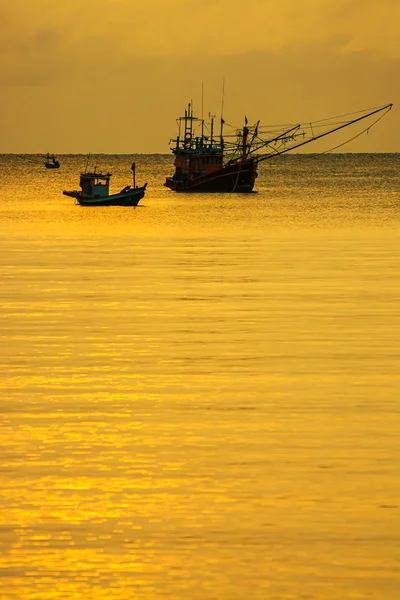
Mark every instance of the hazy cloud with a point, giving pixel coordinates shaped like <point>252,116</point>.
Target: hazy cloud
<point>133,66</point>
<point>221,27</point>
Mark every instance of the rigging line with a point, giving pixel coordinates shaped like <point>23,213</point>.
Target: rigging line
<point>278,126</point>
<point>373,108</point>
<point>356,136</point>
<point>237,178</point>
<point>346,142</point>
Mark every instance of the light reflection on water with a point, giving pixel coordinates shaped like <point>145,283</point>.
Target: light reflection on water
<point>200,395</point>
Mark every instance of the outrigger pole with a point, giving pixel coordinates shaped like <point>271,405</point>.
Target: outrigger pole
<point>374,112</point>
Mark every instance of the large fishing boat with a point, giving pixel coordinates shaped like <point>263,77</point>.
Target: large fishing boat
<point>200,159</point>
<point>95,191</point>
<point>205,162</point>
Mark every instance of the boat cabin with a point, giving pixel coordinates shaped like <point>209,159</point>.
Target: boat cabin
<point>197,154</point>
<point>189,164</point>
<point>95,185</point>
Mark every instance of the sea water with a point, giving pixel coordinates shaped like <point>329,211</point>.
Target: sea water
<point>200,395</point>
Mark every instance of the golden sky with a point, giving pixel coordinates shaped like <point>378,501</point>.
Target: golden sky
<point>112,75</point>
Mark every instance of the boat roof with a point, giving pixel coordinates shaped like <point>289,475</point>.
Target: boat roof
<point>97,175</point>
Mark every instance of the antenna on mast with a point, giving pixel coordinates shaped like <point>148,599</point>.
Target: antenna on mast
<point>212,117</point>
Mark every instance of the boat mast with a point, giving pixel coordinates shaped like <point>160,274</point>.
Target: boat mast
<point>179,131</point>
<point>244,140</point>
<point>202,114</point>
<point>188,127</point>
<point>185,128</point>
<point>222,114</point>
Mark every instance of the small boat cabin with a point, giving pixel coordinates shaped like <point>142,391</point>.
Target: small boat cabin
<point>95,185</point>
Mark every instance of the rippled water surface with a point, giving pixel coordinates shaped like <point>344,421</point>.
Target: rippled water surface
<point>200,396</point>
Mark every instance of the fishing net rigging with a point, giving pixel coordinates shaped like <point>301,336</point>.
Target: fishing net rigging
<point>266,142</point>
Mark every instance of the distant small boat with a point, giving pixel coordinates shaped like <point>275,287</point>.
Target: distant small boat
<point>51,162</point>
<point>95,191</point>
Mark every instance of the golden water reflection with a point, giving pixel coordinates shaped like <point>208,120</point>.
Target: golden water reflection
<point>201,415</point>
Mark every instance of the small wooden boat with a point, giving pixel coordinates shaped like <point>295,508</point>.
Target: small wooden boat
<point>95,191</point>
<point>51,162</point>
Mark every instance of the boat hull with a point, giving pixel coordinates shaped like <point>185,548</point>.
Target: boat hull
<point>52,165</point>
<point>233,178</point>
<point>125,198</point>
